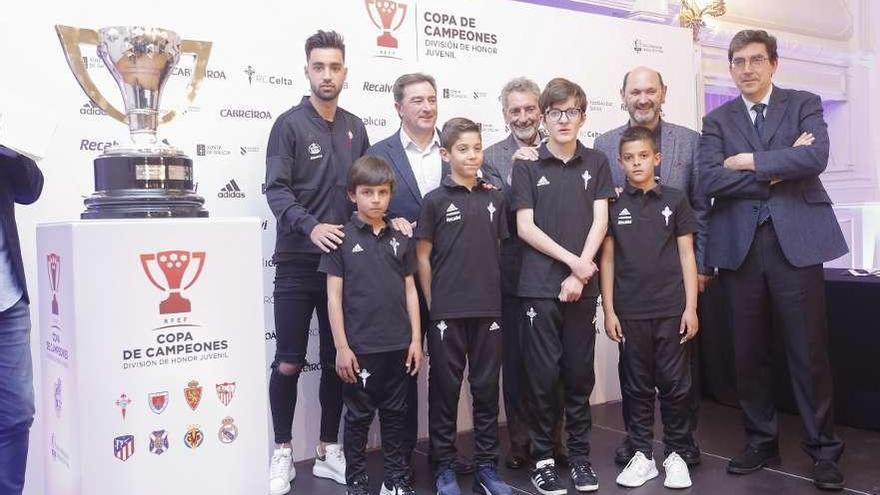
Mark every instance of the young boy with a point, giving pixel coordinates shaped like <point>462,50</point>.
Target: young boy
<point>459,230</point>
<point>374,315</point>
<point>562,213</point>
<point>649,295</point>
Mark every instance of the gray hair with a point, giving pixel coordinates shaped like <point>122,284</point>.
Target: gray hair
<point>519,84</point>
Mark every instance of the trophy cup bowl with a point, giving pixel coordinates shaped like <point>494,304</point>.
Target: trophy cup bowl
<point>173,265</point>
<point>386,11</point>
<point>144,178</point>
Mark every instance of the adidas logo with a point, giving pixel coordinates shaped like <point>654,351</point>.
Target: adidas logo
<point>624,217</point>
<point>452,213</point>
<point>543,182</point>
<point>231,190</point>
<point>357,249</point>
<point>90,108</point>
<point>494,326</point>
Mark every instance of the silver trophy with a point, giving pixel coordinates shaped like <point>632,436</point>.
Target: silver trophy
<point>144,178</point>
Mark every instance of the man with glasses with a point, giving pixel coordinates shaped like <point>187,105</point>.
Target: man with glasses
<point>644,93</point>
<point>561,204</point>
<point>769,230</point>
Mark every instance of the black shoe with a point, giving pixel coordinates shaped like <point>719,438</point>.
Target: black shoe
<point>515,459</point>
<point>546,479</point>
<point>360,486</point>
<point>462,466</point>
<point>561,457</point>
<point>691,455</point>
<point>624,453</point>
<point>752,459</point>
<point>827,475</point>
<point>584,478</point>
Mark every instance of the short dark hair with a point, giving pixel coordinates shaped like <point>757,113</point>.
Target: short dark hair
<point>560,89</point>
<point>325,39</point>
<point>626,76</point>
<point>370,170</point>
<point>405,80</point>
<point>637,133</point>
<point>747,36</point>
<point>454,128</point>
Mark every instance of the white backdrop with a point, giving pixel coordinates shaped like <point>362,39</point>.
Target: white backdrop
<point>257,65</point>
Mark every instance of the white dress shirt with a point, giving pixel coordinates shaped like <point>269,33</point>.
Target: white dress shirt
<point>425,164</point>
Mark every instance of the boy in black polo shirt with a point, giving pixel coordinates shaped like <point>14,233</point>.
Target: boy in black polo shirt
<point>374,313</point>
<point>459,230</point>
<point>649,294</point>
<point>562,213</point>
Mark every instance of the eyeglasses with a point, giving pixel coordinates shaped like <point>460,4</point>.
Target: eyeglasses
<point>755,62</point>
<point>555,114</point>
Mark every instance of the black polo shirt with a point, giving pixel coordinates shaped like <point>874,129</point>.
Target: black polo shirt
<point>648,281</point>
<point>373,268</point>
<point>561,195</point>
<point>464,227</point>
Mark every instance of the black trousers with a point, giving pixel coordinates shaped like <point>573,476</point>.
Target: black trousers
<point>515,384</point>
<point>454,344</point>
<point>766,283</point>
<point>411,421</point>
<point>559,343</point>
<point>301,290</point>
<point>653,358</point>
<point>382,385</point>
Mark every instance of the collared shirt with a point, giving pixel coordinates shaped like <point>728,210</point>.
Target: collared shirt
<point>765,100</point>
<point>464,227</point>
<point>561,195</point>
<point>374,268</point>
<point>10,291</point>
<point>648,280</point>
<point>425,164</point>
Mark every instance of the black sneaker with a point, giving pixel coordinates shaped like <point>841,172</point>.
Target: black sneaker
<point>583,477</point>
<point>624,453</point>
<point>691,455</point>
<point>360,486</point>
<point>827,475</point>
<point>752,459</point>
<point>546,479</point>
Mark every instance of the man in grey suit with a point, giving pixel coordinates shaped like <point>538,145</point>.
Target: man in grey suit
<point>770,229</point>
<point>643,94</point>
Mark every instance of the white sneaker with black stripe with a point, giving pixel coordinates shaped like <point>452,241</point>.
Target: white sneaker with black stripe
<point>546,478</point>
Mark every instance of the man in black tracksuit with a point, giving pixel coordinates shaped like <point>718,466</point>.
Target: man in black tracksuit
<point>310,150</point>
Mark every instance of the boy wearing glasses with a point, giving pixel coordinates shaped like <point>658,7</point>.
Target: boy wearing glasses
<point>561,204</point>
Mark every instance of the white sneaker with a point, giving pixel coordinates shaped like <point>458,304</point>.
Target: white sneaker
<point>281,471</point>
<point>677,475</point>
<point>331,465</point>
<point>639,470</point>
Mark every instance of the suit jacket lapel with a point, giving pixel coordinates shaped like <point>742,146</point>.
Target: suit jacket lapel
<point>775,112</point>
<point>740,118</point>
<point>402,167</point>
<point>667,154</point>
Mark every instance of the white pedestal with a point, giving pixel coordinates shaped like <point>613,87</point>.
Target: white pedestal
<point>124,341</point>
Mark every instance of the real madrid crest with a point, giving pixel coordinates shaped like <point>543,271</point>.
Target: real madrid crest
<point>193,394</point>
<point>193,437</point>
<point>228,431</point>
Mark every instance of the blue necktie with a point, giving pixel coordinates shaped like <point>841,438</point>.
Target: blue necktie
<point>758,108</point>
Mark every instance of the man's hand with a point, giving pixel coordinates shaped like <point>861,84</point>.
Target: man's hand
<point>327,236</point>
<point>414,358</point>
<point>583,268</point>
<point>805,139</point>
<point>703,282</point>
<point>403,226</point>
<point>618,190</point>
<point>741,161</point>
<point>613,328</point>
<point>347,366</point>
<point>690,325</point>
<point>571,289</point>
<point>527,153</point>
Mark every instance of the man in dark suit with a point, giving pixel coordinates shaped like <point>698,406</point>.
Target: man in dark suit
<point>643,94</point>
<point>770,229</point>
<point>20,182</point>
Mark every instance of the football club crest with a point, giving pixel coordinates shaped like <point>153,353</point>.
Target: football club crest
<point>193,394</point>
<point>193,437</point>
<point>123,402</point>
<point>158,401</point>
<point>158,442</point>
<point>123,447</point>
<point>225,392</point>
<point>228,431</point>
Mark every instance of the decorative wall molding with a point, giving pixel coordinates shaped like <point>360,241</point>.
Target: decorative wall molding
<point>826,19</point>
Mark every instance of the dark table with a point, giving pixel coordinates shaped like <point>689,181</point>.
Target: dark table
<point>853,347</point>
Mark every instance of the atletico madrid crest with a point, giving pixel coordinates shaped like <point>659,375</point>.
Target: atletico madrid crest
<point>225,392</point>
<point>193,394</point>
<point>158,401</point>
<point>193,437</point>
<point>123,447</point>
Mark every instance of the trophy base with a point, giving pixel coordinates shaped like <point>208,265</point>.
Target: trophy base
<point>138,185</point>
